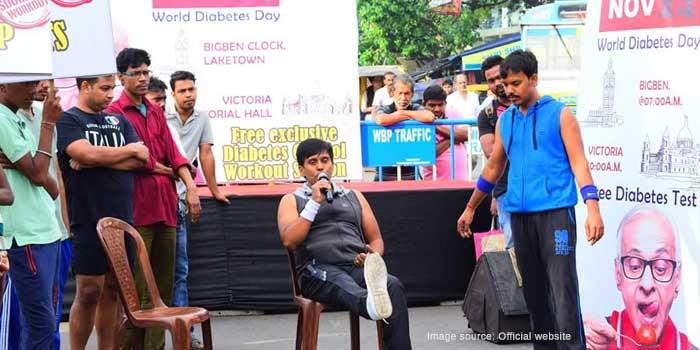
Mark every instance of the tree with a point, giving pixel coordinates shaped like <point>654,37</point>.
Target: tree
<point>390,29</point>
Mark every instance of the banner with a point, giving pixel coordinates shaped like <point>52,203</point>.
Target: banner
<point>473,61</point>
<point>25,51</point>
<point>269,75</point>
<point>638,109</point>
<point>83,44</point>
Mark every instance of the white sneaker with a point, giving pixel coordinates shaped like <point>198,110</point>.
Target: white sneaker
<point>378,301</point>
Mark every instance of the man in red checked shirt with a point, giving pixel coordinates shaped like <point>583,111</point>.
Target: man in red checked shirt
<point>155,198</point>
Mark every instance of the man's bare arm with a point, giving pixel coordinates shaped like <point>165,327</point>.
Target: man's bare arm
<point>461,132</point>
<point>130,164</point>
<point>399,116</point>
<point>571,136</point>
<point>292,227</point>
<point>51,187</point>
<point>36,168</point>
<point>87,155</point>
<point>62,194</point>
<point>6,195</point>
<point>370,227</point>
<point>163,170</point>
<point>487,141</point>
<point>206,157</point>
<point>494,168</point>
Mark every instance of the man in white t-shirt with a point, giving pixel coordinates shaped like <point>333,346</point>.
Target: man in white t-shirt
<point>383,96</point>
<point>461,104</point>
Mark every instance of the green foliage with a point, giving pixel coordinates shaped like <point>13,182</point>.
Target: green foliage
<point>390,29</point>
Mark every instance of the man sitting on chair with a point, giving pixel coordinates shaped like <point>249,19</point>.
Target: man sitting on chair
<point>338,246</point>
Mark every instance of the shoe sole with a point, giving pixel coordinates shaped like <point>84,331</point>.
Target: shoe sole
<point>376,279</point>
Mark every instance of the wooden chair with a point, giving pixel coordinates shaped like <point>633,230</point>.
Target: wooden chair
<point>178,320</point>
<point>310,314</point>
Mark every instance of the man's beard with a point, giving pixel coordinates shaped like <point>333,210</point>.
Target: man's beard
<point>501,93</point>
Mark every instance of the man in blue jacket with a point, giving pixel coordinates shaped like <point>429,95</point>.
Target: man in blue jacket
<point>541,139</point>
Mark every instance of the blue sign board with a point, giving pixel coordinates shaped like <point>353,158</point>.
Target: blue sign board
<point>401,144</point>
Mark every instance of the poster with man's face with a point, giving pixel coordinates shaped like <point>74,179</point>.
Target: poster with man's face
<point>639,121</point>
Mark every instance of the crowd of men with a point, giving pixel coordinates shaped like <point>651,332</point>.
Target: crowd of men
<point>391,103</point>
<point>62,171</point>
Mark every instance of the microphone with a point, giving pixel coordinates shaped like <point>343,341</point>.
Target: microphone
<point>329,194</point>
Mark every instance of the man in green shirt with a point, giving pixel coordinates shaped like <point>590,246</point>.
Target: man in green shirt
<point>31,230</point>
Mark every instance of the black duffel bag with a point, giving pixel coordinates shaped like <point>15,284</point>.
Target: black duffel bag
<point>494,304</point>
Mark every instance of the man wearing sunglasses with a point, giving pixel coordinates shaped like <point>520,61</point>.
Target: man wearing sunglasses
<point>648,275</point>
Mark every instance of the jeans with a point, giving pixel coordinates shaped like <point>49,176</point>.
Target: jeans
<point>180,294</point>
<point>10,318</point>
<point>504,221</point>
<point>33,272</point>
<point>63,270</point>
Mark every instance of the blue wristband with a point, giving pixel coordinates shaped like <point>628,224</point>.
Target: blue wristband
<point>484,185</point>
<point>589,192</point>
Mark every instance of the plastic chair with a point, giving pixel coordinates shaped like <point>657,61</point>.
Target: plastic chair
<point>310,314</point>
<point>178,320</point>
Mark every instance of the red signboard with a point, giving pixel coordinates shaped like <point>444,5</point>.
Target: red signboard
<point>617,15</point>
<point>168,4</point>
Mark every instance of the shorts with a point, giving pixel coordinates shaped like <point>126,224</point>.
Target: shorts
<point>89,257</point>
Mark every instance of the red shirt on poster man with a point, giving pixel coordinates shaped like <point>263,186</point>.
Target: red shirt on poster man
<point>155,198</point>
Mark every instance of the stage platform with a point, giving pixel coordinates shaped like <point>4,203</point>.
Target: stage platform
<point>238,262</point>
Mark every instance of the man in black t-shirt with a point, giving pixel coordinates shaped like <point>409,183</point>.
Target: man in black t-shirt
<point>402,109</point>
<point>491,67</point>
<point>97,153</point>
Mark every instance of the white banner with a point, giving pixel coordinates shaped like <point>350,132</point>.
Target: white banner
<point>270,73</point>
<point>25,46</point>
<point>83,44</point>
<point>638,109</point>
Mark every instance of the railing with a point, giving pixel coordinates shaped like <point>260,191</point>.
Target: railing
<point>452,123</point>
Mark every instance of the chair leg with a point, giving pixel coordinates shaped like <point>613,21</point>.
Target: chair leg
<point>180,335</point>
<point>300,325</point>
<point>138,338</point>
<point>380,335</point>
<point>354,331</point>
<point>311,320</point>
<point>206,335</point>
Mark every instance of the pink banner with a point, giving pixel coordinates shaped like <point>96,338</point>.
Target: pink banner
<point>168,4</point>
<point>617,15</point>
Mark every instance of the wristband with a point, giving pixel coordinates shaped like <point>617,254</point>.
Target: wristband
<point>44,153</point>
<point>589,192</point>
<point>310,210</point>
<point>484,185</point>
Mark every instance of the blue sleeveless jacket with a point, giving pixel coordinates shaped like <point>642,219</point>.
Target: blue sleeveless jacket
<point>540,177</point>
